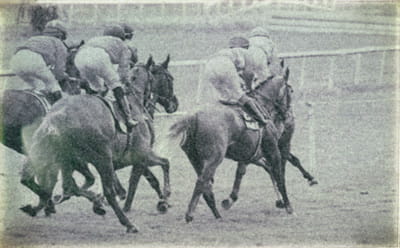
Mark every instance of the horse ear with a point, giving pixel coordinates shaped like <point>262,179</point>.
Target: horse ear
<point>149,62</point>
<point>165,63</point>
<point>82,43</point>
<point>287,73</point>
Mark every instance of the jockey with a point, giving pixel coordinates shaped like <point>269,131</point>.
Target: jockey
<point>126,34</point>
<point>95,62</point>
<point>41,60</point>
<point>260,37</point>
<point>226,70</point>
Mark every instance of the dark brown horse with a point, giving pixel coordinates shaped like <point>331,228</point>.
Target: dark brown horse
<point>71,136</point>
<point>160,91</point>
<point>215,133</point>
<point>288,123</point>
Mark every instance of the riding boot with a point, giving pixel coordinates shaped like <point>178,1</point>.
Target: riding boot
<point>250,106</point>
<point>124,107</point>
<point>52,97</point>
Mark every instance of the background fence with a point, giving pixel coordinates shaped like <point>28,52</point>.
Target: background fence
<point>107,10</point>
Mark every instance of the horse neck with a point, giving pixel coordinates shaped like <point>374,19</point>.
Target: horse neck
<point>266,98</point>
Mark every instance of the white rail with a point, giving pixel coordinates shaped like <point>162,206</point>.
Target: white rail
<point>330,53</point>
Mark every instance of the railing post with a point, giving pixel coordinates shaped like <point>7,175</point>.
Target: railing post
<point>302,72</point>
<point>199,83</point>
<point>96,13</point>
<point>382,71</point>
<point>311,135</point>
<point>118,12</point>
<point>163,9</point>
<point>331,83</point>
<point>357,70</point>
<point>71,13</point>
<point>183,9</point>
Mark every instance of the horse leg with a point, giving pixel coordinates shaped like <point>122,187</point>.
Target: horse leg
<point>13,138</point>
<point>71,188</point>
<point>272,154</point>
<point>48,181</point>
<point>83,168</point>
<point>153,181</point>
<point>240,172</point>
<point>28,180</point>
<point>136,173</point>
<point>151,160</point>
<point>154,159</point>
<point>296,162</point>
<point>204,186</point>
<point>119,189</point>
<point>162,205</point>
<point>105,168</point>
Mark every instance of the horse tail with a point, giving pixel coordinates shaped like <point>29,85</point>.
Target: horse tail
<point>181,126</point>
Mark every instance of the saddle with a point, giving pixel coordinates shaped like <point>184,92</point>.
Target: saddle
<point>115,112</point>
<point>249,120</point>
<point>41,97</point>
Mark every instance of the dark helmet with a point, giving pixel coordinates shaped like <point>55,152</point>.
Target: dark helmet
<point>56,28</point>
<point>128,30</point>
<point>115,30</point>
<point>239,42</point>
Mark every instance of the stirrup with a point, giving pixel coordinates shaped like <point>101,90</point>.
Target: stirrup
<point>131,123</point>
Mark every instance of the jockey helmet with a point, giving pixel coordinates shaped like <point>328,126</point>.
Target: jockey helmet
<point>238,42</point>
<point>128,30</point>
<point>56,28</point>
<point>115,30</point>
<point>259,31</point>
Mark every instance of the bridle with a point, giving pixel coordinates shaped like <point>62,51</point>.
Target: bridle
<point>154,97</point>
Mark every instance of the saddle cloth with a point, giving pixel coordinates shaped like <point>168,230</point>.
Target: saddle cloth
<point>249,121</point>
<point>252,126</point>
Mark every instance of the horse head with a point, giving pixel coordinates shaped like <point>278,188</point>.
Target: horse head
<point>141,81</point>
<point>276,90</point>
<point>72,86</point>
<point>163,87</point>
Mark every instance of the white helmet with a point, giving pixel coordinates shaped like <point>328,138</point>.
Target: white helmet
<point>56,28</point>
<point>259,31</point>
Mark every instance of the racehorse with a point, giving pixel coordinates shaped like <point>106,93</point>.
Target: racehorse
<point>276,68</point>
<point>215,133</point>
<point>71,136</point>
<point>159,91</point>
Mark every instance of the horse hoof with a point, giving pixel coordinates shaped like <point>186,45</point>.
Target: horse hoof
<point>289,209</point>
<point>162,207</point>
<point>99,210</point>
<point>58,199</point>
<point>49,211</point>
<point>28,209</point>
<point>313,182</point>
<point>126,209</point>
<point>132,229</point>
<point>279,204</point>
<point>226,204</point>
<point>188,218</point>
